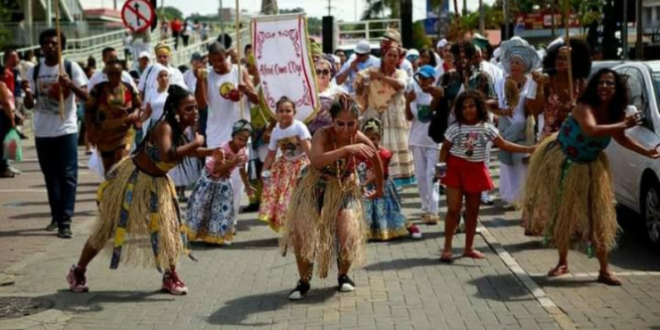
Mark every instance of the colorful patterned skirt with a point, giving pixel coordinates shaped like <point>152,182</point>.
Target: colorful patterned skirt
<point>312,221</point>
<point>383,215</point>
<point>568,202</point>
<point>284,175</point>
<point>211,211</point>
<point>139,219</point>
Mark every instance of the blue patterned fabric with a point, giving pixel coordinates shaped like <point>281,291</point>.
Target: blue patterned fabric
<point>383,215</point>
<point>579,147</point>
<point>211,211</point>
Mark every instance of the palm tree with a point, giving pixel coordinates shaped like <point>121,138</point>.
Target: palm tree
<point>377,8</point>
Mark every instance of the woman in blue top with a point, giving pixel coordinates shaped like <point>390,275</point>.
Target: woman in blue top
<point>568,194</point>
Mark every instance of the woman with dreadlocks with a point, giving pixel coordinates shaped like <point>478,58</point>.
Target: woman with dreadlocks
<point>137,202</point>
<point>324,219</point>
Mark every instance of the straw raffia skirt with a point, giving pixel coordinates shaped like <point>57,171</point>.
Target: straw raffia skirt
<point>311,226</point>
<point>139,219</point>
<point>565,201</point>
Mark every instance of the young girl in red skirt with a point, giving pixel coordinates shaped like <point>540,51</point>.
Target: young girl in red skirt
<point>466,174</point>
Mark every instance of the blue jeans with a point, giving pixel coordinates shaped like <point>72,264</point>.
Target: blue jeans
<point>58,159</point>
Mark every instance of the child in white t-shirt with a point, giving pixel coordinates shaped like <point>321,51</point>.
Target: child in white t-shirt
<point>293,139</point>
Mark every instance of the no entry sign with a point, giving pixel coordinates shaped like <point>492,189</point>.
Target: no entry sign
<point>138,15</point>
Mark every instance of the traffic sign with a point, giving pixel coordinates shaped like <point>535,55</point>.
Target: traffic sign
<point>138,15</point>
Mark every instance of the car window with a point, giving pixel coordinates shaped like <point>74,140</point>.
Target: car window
<point>638,95</point>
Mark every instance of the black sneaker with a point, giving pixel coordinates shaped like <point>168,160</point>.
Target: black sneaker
<point>251,208</point>
<point>65,233</point>
<point>300,291</point>
<point>52,226</point>
<point>7,174</point>
<point>345,283</point>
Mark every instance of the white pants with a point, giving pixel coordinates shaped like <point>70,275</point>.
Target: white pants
<point>489,147</point>
<point>425,159</point>
<point>238,187</point>
<point>512,178</point>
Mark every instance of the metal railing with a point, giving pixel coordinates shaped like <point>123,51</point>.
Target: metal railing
<point>182,55</point>
<point>372,30</point>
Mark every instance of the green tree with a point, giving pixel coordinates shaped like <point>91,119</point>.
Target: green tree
<point>170,13</point>
<point>378,8</point>
<point>314,24</point>
<point>6,37</point>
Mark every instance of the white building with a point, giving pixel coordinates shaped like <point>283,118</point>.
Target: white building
<point>651,15</point>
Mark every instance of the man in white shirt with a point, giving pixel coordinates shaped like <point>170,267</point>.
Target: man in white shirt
<point>56,127</point>
<point>189,77</point>
<point>98,77</point>
<point>148,80</point>
<point>219,89</point>
<point>360,60</point>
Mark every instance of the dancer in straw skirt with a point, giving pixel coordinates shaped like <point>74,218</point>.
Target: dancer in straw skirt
<point>568,195</point>
<point>139,219</point>
<point>325,217</point>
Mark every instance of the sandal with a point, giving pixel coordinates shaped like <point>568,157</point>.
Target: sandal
<point>608,279</point>
<point>446,257</point>
<point>558,271</point>
<point>474,254</point>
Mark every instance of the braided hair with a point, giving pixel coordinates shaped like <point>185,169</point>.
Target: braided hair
<point>176,94</point>
<point>344,102</point>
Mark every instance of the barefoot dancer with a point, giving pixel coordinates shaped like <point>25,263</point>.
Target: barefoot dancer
<point>569,190</point>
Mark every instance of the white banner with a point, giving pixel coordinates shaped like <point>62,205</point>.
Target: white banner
<point>284,63</point>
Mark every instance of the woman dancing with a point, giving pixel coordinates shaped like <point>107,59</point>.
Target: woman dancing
<point>138,208</point>
<point>325,213</point>
<point>569,190</point>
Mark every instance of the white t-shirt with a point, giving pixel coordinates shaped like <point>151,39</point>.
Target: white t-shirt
<point>47,121</point>
<point>157,102</point>
<point>469,141</point>
<point>289,140</point>
<point>190,80</point>
<point>99,77</point>
<point>421,110</point>
<point>223,112</point>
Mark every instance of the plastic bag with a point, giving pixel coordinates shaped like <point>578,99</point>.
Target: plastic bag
<point>95,163</point>
<point>11,146</point>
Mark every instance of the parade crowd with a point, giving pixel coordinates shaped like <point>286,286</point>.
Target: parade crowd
<point>161,138</point>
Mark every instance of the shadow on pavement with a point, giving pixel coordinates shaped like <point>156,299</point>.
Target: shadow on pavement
<point>47,215</point>
<point>244,225</point>
<point>266,243</point>
<point>566,282</point>
<point>238,311</point>
<point>27,232</point>
<point>399,264</point>
<point>502,287</point>
<point>92,302</point>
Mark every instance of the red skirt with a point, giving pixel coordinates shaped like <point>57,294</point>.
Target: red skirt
<point>470,177</point>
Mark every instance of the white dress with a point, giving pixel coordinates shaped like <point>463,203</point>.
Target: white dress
<point>512,176</point>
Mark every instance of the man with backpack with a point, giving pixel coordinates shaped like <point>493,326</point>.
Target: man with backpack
<point>55,126</point>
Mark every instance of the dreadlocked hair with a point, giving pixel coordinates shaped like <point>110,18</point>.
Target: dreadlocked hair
<point>175,95</point>
<point>344,102</point>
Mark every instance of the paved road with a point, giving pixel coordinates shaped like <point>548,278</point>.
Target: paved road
<point>403,285</point>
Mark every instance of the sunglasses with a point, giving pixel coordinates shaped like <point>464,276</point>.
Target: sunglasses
<point>324,72</point>
<point>342,124</point>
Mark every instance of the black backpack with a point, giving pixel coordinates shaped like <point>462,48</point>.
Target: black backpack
<point>440,119</point>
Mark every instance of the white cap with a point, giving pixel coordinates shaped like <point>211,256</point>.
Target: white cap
<point>144,54</point>
<point>336,58</point>
<point>363,47</point>
<point>412,52</point>
<point>441,43</point>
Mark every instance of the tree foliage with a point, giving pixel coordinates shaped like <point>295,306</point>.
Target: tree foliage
<point>314,25</point>
<point>170,13</point>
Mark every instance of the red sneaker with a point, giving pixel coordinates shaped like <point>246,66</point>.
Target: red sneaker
<point>414,231</point>
<point>173,285</point>
<point>77,280</point>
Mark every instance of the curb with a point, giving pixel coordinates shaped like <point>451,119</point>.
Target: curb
<point>526,280</point>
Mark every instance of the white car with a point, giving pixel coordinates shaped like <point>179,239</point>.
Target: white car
<point>637,178</point>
